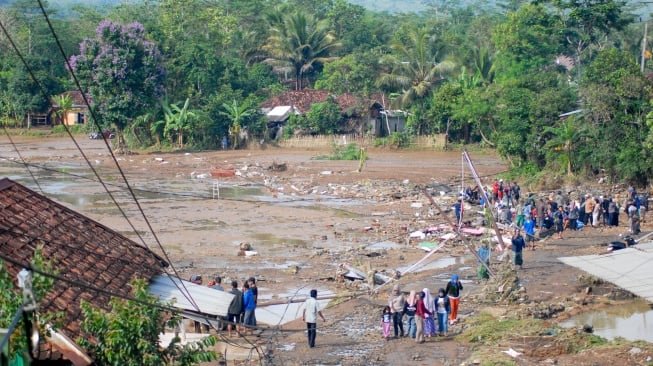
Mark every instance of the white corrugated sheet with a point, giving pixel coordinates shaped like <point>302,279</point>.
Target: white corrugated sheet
<point>209,301</point>
<point>279,114</point>
<point>630,268</point>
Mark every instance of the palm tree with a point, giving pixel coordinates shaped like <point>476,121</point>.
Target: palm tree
<point>64,103</point>
<point>298,43</point>
<point>561,144</point>
<point>236,113</point>
<point>414,67</point>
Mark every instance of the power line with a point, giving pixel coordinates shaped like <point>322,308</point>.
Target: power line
<point>21,156</point>
<point>106,141</point>
<point>45,95</point>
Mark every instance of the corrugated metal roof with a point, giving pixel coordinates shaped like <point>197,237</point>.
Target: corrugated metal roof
<point>210,301</point>
<point>630,268</point>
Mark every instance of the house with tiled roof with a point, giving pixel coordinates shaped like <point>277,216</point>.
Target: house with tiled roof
<point>360,114</point>
<point>85,251</point>
<point>79,248</point>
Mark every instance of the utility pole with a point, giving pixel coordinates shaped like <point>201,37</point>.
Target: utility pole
<point>644,47</point>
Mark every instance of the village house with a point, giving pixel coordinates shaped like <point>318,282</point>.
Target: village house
<point>360,115</point>
<point>76,115</point>
<point>83,250</point>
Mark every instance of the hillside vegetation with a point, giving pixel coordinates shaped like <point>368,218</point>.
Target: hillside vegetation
<point>556,87</point>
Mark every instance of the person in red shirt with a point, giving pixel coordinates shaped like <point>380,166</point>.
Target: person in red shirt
<point>420,314</point>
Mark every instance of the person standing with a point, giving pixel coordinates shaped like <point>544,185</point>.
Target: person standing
<point>458,209</point>
<point>235,308</point>
<point>517,248</point>
<point>217,285</point>
<point>396,303</point>
<point>596,211</point>
<point>559,221</point>
<point>613,213</point>
<point>429,321</point>
<point>249,306</point>
<point>420,315</point>
<point>310,314</point>
<point>252,286</point>
<point>442,307</point>
<point>454,286</point>
<point>529,230</point>
<point>589,210</point>
<point>410,306</point>
<point>386,321</point>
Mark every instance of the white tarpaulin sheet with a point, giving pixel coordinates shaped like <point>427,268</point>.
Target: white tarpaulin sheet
<point>630,268</point>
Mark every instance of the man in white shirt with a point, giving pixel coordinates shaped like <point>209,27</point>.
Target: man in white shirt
<point>311,311</point>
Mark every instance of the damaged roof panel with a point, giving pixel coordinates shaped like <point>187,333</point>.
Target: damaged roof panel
<point>628,268</point>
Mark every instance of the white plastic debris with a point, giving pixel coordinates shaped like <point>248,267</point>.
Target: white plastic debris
<point>512,353</point>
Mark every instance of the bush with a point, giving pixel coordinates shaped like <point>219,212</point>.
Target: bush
<point>74,129</point>
<point>347,152</point>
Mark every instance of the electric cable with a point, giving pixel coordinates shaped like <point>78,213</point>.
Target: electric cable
<point>20,156</point>
<point>94,118</point>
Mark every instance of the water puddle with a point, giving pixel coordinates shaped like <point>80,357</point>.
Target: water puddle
<point>630,321</point>
<point>384,245</point>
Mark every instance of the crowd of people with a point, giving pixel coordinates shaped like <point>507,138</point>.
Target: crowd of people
<point>558,212</point>
<point>241,316</point>
<point>425,315</point>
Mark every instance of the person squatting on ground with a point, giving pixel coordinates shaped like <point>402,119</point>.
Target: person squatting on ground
<point>518,245</point>
<point>386,321</point>
<point>454,286</point>
<point>410,306</point>
<point>396,304</point>
<point>442,306</point>
<point>310,314</point>
<point>420,315</point>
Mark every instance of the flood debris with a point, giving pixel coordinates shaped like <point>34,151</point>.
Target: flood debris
<point>504,286</point>
<point>278,167</point>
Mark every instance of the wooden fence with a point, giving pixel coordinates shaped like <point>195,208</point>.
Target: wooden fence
<point>325,141</point>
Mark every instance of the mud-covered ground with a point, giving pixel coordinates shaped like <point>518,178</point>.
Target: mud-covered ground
<point>305,221</point>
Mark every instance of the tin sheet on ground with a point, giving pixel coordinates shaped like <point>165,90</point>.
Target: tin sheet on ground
<point>630,268</point>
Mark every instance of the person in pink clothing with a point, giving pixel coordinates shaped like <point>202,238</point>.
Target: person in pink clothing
<point>386,322</point>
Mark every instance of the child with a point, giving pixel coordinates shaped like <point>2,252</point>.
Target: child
<point>442,307</point>
<point>386,322</point>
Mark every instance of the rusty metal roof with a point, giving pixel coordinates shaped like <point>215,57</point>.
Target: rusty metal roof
<point>79,248</point>
<point>628,268</point>
<point>302,100</point>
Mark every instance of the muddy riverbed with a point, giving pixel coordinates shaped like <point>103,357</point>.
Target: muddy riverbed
<point>303,223</point>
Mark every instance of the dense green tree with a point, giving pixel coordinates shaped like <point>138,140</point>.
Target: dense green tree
<point>123,72</point>
<point>129,334</point>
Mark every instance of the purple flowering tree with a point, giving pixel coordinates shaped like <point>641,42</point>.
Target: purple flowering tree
<point>122,72</point>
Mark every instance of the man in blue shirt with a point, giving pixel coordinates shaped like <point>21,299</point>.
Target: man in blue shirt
<point>249,305</point>
<point>518,245</point>
<point>529,230</point>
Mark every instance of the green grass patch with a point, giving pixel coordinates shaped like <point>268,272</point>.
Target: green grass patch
<point>485,329</point>
<point>347,152</point>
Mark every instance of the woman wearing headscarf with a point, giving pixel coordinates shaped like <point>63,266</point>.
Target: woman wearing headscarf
<point>396,303</point>
<point>410,307</point>
<point>453,291</point>
<point>429,322</point>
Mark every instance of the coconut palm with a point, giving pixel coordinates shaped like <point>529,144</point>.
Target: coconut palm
<point>414,66</point>
<point>298,43</point>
